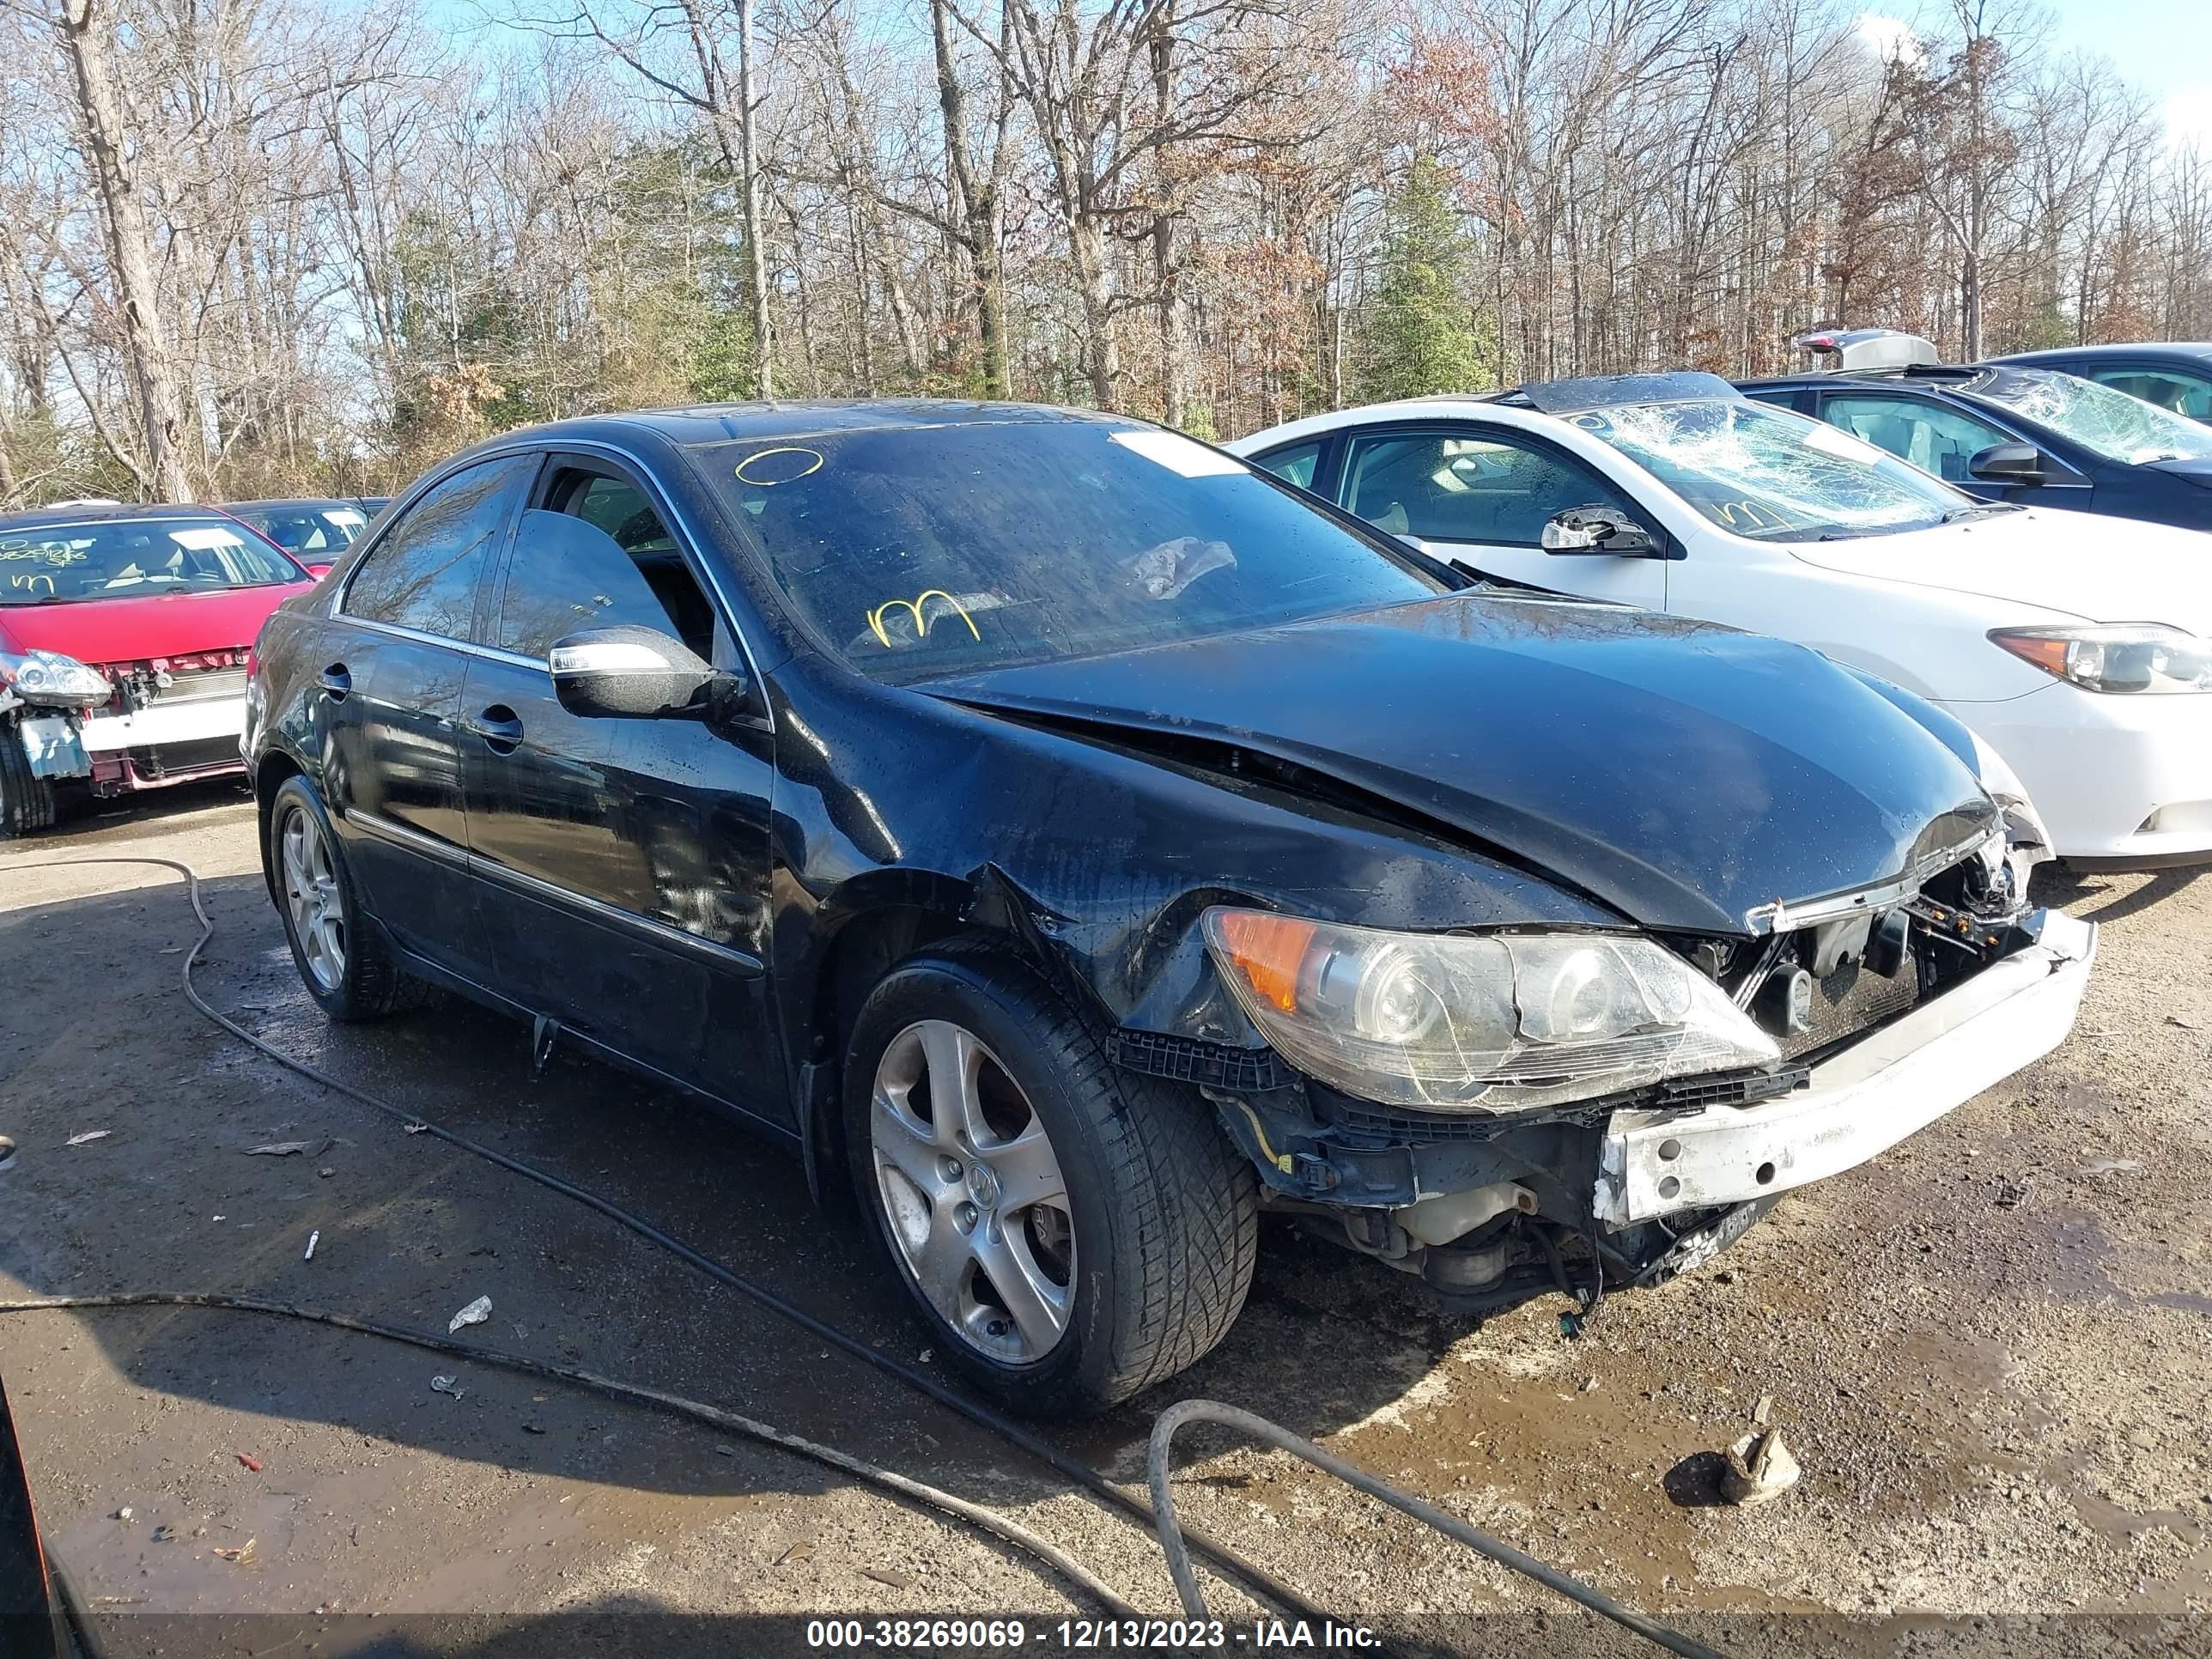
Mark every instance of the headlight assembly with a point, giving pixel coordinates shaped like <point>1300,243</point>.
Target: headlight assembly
<point>1490,1023</point>
<point>48,676</point>
<point>2122,657</point>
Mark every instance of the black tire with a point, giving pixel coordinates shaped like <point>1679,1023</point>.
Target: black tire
<point>370,985</point>
<point>27,801</point>
<point>1164,1209</point>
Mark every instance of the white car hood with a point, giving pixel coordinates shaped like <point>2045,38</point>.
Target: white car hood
<point>2103,569</point>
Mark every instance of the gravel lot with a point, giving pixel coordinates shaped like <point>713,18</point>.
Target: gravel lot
<point>1990,1350</point>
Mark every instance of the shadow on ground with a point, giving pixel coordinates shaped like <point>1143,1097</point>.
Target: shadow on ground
<point>410,1229</point>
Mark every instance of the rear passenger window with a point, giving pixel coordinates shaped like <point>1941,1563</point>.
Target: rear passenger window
<point>598,554</point>
<point>424,574</point>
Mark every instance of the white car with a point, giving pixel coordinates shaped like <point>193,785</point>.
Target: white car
<point>2080,649</point>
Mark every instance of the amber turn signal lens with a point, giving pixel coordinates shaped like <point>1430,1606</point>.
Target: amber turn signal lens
<point>1268,951</point>
<point>2046,653</point>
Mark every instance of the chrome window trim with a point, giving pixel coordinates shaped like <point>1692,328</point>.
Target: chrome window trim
<point>467,648</point>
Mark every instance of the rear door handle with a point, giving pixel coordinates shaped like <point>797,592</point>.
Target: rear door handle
<point>499,728</point>
<point>335,682</point>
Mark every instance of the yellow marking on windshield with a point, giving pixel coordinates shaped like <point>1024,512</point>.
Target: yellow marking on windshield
<point>914,607</point>
<point>26,581</point>
<point>743,469</point>
<point>1753,516</point>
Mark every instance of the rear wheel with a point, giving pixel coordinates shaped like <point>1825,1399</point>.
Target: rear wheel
<point>1071,1232</point>
<point>344,963</point>
<point>27,801</point>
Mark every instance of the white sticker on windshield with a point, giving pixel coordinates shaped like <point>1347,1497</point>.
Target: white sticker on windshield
<point>1179,454</point>
<point>345,515</point>
<point>203,538</point>
<point>1834,440</point>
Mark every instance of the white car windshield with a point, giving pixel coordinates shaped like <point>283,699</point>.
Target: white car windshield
<point>1766,473</point>
<point>2118,427</point>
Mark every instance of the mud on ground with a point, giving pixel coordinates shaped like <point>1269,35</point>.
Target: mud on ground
<point>1990,1350</point>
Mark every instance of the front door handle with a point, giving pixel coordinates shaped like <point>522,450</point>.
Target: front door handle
<point>499,728</point>
<point>335,682</point>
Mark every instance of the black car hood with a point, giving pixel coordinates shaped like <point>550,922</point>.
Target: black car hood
<point>1683,773</point>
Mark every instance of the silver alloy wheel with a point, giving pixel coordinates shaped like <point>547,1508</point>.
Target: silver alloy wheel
<point>972,1191</point>
<point>312,896</point>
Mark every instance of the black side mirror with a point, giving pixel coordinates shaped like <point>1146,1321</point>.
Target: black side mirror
<point>2008,463</point>
<point>631,672</point>
<point>1600,530</point>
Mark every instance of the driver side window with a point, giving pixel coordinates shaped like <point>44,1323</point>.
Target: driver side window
<point>1490,487</point>
<point>598,554</point>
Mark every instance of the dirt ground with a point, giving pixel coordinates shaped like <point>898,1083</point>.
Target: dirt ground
<point>1990,1350</point>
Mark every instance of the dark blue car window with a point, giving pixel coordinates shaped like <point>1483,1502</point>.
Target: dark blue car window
<point>917,551</point>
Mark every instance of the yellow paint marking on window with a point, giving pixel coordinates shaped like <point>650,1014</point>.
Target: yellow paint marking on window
<point>743,469</point>
<point>914,607</point>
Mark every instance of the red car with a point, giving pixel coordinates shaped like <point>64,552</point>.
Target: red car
<point>124,638</point>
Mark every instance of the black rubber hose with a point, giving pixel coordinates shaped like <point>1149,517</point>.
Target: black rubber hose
<point>1194,1600</point>
<point>1253,1577</point>
<point>990,1520</point>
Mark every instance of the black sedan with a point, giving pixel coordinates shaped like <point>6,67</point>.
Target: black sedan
<point>2173,375</point>
<point>1080,842</point>
<point>2031,435</point>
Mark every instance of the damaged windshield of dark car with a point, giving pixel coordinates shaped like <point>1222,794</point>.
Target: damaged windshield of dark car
<point>916,551</point>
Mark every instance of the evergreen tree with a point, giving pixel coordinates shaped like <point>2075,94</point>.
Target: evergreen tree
<point>1420,337</point>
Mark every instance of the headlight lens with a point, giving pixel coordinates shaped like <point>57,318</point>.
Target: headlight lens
<point>1494,1023</point>
<point>2116,657</point>
<point>48,676</point>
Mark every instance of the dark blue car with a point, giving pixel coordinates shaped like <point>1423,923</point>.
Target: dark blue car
<point>2175,374</point>
<point>2008,434</point>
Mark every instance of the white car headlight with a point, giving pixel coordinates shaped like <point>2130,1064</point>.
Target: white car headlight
<point>1489,1023</point>
<point>48,676</point>
<point>2118,657</point>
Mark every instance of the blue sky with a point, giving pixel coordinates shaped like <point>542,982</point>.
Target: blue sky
<point>2163,46</point>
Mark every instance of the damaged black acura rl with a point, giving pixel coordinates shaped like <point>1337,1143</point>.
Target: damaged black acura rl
<point>1082,843</point>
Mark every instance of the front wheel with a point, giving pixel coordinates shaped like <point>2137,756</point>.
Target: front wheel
<point>1071,1232</point>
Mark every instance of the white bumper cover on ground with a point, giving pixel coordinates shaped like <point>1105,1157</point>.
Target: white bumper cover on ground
<point>179,722</point>
<point>1866,1100</point>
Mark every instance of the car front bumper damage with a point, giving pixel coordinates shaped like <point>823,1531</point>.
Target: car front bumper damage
<point>1895,1081</point>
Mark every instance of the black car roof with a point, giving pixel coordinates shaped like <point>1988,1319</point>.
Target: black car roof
<point>709,423</point>
<point>2196,353</point>
<point>1940,377</point>
<point>48,518</point>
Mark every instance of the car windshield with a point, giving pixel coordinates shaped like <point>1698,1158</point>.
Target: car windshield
<point>305,527</point>
<point>919,551</point>
<point>1767,473</point>
<point>129,558</point>
<point>2117,426</point>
